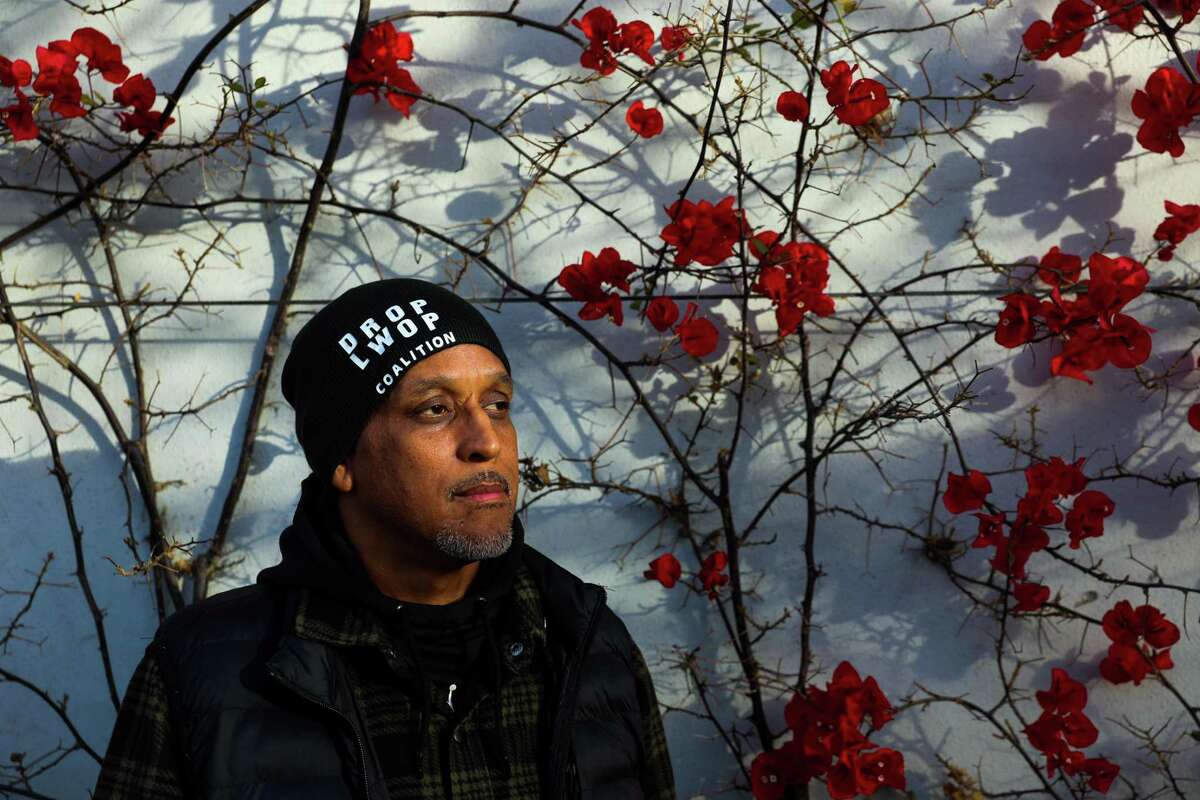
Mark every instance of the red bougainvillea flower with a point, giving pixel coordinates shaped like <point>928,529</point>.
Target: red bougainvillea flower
<point>634,37</point>
<point>712,573</point>
<point>1063,34</point>
<point>697,336</point>
<point>1085,520</point>
<point>675,37</point>
<point>1141,642</point>
<point>1124,624</point>
<point>1065,695</point>
<point>1169,102</point>
<point>1100,771</point>
<point>837,80</point>
<point>1016,327</point>
<point>1181,222</point>
<point>853,101</point>
<point>18,117</point>
<point>877,768</point>
<point>665,569</point>
<point>597,24</point>
<point>767,777</point>
<point>966,492</point>
<point>1126,341</point>
<point>1193,416</point>
<point>607,39</point>
<point>15,74</point>
<point>1113,282</point>
<point>1124,664</point>
<point>703,232</point>
<point>1030,596</point>
<point>1093,332</point>
<point>1122,13</point>
<point>991,530</point>
<point>826,740</point>
<point>1058,268</point>
<point>1187,9</point>
<point>138,91</point>
<point>56,78</point>
<point>583,282</point>
<point>794,276</point>
<point>662,313</point>
<point>645,122</point>
<point>1025,539</point>
<point>1056,477</point>
<point>792,106</point>
<point>376,67</point>
<point>101,54</point>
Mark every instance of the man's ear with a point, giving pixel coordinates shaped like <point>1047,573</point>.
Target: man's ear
<point>343,477</point>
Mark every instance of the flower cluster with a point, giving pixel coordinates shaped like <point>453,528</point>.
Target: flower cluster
<point>1141,642</point>
<point>58,63</point>
<point>583,282</point>
<point>607,40</point>
<point>853,101</point>
<point>828,741</point>
<point>667,570</point>
<point>794,276</point>
<point>1181,222</point>
<point>703,232</point>
<point>1093,331</point>
<point>1169,100</point>
<point>1047,484</point>
<point>376,66</point>
<point>1063,726</point>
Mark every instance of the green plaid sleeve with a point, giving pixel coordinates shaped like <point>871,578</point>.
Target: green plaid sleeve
<point>658,779</point>
<point>140,762</point>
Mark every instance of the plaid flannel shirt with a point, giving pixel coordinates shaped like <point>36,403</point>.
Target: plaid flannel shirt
<point>141,761</point>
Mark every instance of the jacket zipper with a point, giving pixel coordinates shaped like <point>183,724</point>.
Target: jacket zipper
<point>362,753</point>
<point>566,704</point>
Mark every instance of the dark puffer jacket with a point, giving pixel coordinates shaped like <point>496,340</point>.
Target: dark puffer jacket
<point>230,703</point>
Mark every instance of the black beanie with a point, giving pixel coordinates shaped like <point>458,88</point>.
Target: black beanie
<point>353,351</point>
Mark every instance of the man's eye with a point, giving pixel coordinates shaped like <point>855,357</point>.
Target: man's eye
<point>431,408</point>
<point>503,404</point>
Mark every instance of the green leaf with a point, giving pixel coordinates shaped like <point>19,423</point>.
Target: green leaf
<point>237,87</point>
<point>261,104</point>
<point>802,18</point>
<point>260,82</point>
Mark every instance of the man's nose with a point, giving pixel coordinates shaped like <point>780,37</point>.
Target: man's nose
<point>479,441</point>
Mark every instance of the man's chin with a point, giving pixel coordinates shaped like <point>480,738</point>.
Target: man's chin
<point>468,546</point>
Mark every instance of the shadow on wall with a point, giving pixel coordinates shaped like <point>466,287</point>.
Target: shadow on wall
<point>57,649</point>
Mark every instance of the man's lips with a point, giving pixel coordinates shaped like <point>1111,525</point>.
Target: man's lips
<point>483,493</point>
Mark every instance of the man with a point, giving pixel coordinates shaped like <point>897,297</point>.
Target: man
<point>410,644</point>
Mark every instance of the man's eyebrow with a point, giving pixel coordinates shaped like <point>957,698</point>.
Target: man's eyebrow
<point>440,382</point>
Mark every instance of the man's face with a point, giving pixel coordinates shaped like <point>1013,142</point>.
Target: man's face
<point>438,459</point>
